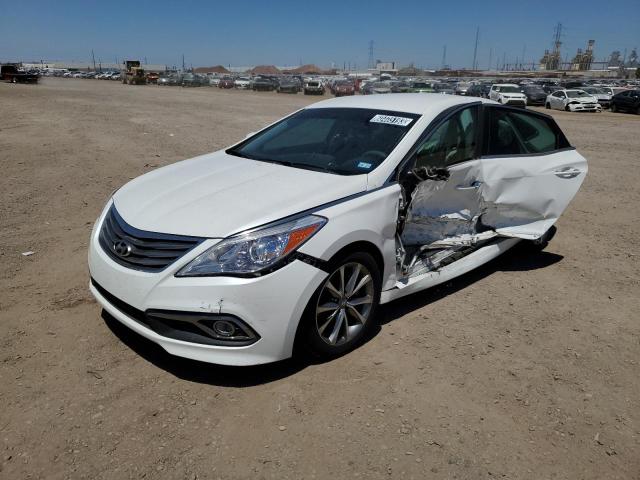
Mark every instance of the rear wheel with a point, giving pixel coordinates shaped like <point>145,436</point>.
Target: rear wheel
<point>547,106</point>
<point>614,108</point>
<point>541,243</point>
<point>341,312</point>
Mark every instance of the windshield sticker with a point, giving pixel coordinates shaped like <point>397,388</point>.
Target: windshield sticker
<point>364,165</point>
<point>391,120</point>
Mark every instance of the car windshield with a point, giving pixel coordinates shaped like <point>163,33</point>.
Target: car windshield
<point>510,89</point>
<point>534,89</point>
<point>345,141</point>
<point>577,94</point>
<point>420,85</point>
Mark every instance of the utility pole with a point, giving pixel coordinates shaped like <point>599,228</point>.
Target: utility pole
<point>504,59</point>
<point>444,57</point>
<point>490,55</point>
<point>524,49</point>
<point>475,51</point>
<point>93,57</point>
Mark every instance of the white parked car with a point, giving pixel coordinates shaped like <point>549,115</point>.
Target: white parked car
<point>294,236</point>
<point>508,94</point>
<point>241,83</point>
<point>573,100</point>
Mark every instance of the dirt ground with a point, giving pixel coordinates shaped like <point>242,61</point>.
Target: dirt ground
<point>528,368</point>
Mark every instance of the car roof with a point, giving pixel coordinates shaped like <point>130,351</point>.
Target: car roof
<point>419,103</point>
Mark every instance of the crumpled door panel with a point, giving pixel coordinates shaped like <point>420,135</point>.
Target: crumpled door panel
<point>524,196</point>
<point>440,208</point>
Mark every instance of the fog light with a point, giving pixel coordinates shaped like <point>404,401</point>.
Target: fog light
<point>224,328</point>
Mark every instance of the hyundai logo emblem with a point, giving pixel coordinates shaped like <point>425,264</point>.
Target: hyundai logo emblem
<point>122,249</point>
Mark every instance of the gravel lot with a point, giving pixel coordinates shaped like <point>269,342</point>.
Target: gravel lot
<point>525,369</point>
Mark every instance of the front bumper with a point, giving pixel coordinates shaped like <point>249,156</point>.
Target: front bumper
<point>585,107</point>
<point>514,102</point>
<point>271,305</point>
<point>536,101</point>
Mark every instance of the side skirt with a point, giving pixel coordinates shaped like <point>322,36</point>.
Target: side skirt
<point>448,272</point>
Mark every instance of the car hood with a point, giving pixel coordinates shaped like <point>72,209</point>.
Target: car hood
<point>217,194</point>
<point>589,99</point>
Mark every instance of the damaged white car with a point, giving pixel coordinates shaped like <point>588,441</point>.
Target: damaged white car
<point>573,101</point>
<point>293,237</point>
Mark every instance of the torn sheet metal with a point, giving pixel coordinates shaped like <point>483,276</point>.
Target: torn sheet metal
<point>440,208</point>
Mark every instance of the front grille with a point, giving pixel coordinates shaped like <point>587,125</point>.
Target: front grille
<point>141,250</point>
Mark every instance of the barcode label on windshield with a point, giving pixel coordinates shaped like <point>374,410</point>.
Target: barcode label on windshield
<point>391,120</point>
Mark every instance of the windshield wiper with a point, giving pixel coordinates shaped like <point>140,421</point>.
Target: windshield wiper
<point>286,163</point>
<point>304,166</point>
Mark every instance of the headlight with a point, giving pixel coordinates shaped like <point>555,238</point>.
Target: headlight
<point>253,251</point>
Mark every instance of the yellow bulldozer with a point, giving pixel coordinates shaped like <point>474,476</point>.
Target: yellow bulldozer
<point>133,74</point>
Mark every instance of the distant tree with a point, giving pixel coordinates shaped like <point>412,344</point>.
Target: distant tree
<point>638,72</point>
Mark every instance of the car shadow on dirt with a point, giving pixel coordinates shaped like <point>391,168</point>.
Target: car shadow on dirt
<point>517,259</point>
<point>201,372</point>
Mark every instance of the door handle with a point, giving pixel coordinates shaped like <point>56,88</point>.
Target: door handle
<point>475,185</point>
<point>567,172</point>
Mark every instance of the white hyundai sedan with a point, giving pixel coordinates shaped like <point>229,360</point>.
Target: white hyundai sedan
<point>294,236</point>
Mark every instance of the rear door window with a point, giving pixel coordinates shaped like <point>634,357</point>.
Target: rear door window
<point>511,132</point>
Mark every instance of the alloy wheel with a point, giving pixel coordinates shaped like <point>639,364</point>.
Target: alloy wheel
<point>344,304</point>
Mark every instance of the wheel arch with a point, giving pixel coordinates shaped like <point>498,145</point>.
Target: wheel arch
<point>360,246</point>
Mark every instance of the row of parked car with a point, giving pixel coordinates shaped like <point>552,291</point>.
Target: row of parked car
<point>570,96</point>
<point>282,84</point>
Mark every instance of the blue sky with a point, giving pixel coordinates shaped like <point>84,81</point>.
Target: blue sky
<point>321,32</point>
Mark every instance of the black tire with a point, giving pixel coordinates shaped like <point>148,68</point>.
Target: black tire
<point>311,337</point>
<point>547,106</point>
<point>638,110</point>
<point>541,243</point>
<point>614,108</point>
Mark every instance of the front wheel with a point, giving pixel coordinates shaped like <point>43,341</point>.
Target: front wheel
<point>614,108</point>
<point>341,312</point>
<point>547,106</point>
